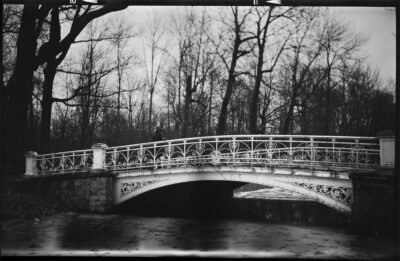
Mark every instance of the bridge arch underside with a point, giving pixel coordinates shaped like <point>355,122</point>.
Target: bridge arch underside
<point>321,187</point>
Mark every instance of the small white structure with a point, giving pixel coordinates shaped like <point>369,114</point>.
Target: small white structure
<point>99,156</point>
<point>30,163</point>
<point>387,145</point>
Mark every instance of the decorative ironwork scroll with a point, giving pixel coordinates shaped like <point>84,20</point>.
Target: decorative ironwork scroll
<point>72,161</point>
<point>257,150</point>
<point>340,194</point>
<point>129,187</point>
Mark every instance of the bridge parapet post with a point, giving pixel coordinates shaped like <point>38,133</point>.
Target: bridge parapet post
<point>99,156</point>
<point>30,163</point>
<point>386,144</point>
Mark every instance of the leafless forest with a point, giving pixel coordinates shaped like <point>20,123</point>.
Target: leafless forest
<point>77,75</point>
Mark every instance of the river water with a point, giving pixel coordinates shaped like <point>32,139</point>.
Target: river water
<point>131,235</point>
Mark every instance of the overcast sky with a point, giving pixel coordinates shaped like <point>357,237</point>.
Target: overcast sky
<point>380,26</point>
<point>375,22</point>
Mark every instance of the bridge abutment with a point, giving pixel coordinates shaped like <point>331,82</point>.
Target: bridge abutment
<point>373,209</point>
<point>101,191</point>
<point>82,192</point>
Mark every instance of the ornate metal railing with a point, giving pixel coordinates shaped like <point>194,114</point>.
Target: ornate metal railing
<point>71,161</point>
<point>238,150</point>
<point>254,150</point>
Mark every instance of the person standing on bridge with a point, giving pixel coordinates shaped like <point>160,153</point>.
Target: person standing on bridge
<point>159,133</point>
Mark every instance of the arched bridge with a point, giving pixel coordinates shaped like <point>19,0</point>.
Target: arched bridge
<point>315,166</point>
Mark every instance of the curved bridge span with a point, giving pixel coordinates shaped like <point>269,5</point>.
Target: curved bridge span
<point>329,188</point>
<point>315,166</point>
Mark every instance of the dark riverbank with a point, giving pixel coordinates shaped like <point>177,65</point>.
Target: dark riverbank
<point>21,201</point>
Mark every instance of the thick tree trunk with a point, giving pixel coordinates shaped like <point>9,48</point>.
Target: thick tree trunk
<point>186,112</point>
<point>210,108</point>
<point>49,75</point>
<point>254,109</point>
<point>119,74</point>
<point>18,93</point>
<point>304,122</point>
<point>168,111</point>
<point>328,103</point>
<point>179,117</point>
<point>150,131</point>
<point>289,114</point>
<point>221,126</point>
<point>256,92</point>
<point>130,113</point>
<point>32,127</point>
<point>328,92</point>
<point>47,103</point>
<point>84,130</point>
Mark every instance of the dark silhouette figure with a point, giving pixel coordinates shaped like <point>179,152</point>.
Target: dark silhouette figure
<point>158,134</point>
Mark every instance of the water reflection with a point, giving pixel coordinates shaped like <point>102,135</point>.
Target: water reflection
<point>74,233</point>
<point>200,235</point>
<point>86,232</point>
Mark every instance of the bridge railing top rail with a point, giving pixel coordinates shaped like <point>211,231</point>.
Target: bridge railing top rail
<point>256,136</point>
<point>63,153</point>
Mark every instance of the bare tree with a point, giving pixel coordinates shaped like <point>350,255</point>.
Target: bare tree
<point>306,48</point>
<point>120,38</point>
<point>53,62</point>
<point>134,85</point>
<point>339,43</point>
<point>18,92</point>
<point>88,102</point>
<point>196,60</point>
<point>155,38</point>
<point>265,33</point>
<point>239,35</point>
<point>10,26</point>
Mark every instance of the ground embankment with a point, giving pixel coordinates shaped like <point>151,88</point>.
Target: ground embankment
<point>22,200</point>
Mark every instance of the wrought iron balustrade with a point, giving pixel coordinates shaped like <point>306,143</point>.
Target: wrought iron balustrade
<point>236,150</point>
<point>71,161</point>
<point>254,150</point>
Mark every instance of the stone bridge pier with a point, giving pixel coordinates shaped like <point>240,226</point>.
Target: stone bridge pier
<point>374,204</point>
<point>81,192</point>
